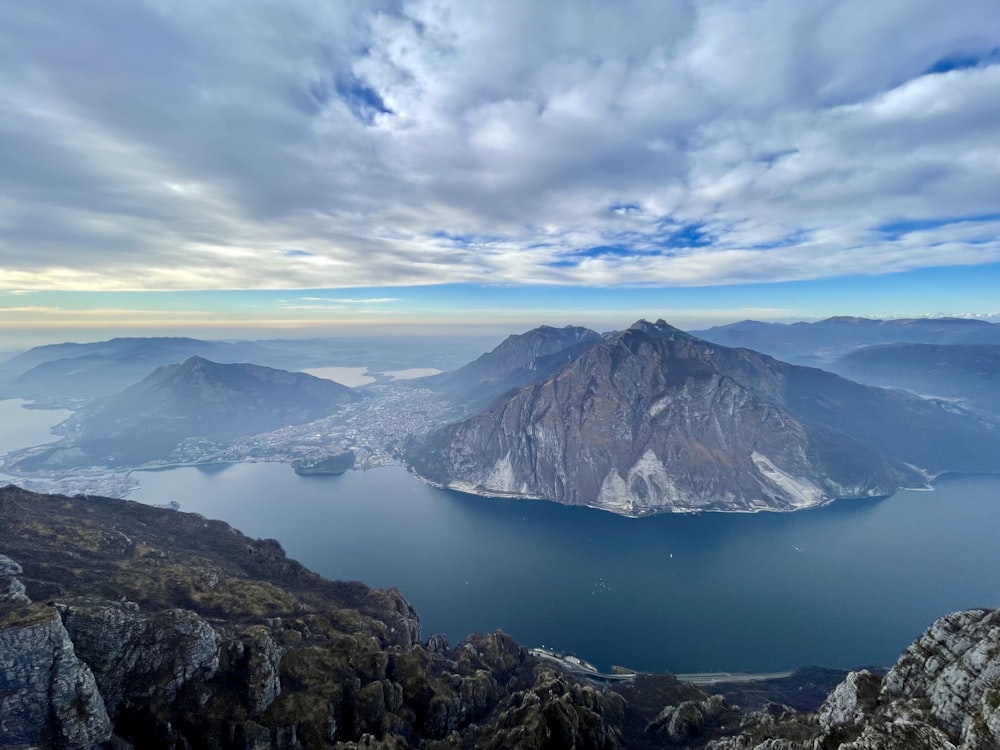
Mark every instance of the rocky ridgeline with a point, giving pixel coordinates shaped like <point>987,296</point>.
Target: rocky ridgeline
<point>123,625</point>
<point>943,693</point>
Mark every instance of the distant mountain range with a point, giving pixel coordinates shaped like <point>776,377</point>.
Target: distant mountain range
<point>824,341</point>
<point>967,373</point>
<point>653,419</point>
<point>197,398</point>
<point>65,374</point>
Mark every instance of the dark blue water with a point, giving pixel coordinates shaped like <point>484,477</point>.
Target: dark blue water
<point>847,585</point>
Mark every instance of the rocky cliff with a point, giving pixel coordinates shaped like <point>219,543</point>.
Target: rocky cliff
<point>123,625</point>
<point>652,419</point>
<point>943,693</point>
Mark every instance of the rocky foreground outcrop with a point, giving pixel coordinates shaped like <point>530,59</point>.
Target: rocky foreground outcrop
<point>943,693</point>
<point>123,625</point>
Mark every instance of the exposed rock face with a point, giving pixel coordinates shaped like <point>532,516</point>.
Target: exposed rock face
<point>943,693</point>
<point>850,701</point>
<point>141,660</point>
<point>955,667</point>
<point>47,694</point>
<point>684,722</point>
<point>652,419</point>
<point>11,588</point>
<point>556,712</point>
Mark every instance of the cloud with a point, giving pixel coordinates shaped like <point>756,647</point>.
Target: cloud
<point>147,144</point>
<point>318,304</point>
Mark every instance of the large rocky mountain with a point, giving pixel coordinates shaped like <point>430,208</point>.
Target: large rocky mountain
<point>126,626</point>
<point>196,398</point>
<point>653,419</point>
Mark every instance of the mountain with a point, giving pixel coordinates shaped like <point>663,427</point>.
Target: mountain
<point>197,398</point>
<point>123,625</point>
<point>967,373</point>
<point>519,360</point>
<point>64,374</point>
<point>826,340</point>
<point>58,372</point>
<point>653,419</point>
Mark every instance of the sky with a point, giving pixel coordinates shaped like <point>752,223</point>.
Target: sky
<point>303,166</point>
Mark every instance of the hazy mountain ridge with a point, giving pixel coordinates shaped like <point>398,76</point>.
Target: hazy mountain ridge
<point>197,398</point>
<point>124,623</point>
<point>824,341</point>
<point>61,374</point>
<point>519,360</point>
<point>653,419</point>
<point>968,373</point>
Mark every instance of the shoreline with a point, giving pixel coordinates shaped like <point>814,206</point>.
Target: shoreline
<point>474,491</point>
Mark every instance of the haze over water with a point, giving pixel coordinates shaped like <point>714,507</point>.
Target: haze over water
<point>847,585</point>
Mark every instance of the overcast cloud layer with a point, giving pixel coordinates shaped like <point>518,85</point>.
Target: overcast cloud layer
<point>164,144</point>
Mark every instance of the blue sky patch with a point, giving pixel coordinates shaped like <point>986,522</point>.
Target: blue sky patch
<point>791,240</point>
<point>466,239</point>
<point>295,253</point>
<point>604,251</point>
<point>895,230</point>
<point>685,235</point>
<point>963,62</point>
<point>363,101</point>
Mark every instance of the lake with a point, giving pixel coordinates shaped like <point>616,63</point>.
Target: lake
<point>847,585</point>
<point>20,427</point>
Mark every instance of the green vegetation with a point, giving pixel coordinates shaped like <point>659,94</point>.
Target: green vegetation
<point>26,616</point>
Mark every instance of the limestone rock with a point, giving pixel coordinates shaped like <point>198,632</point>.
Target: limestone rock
<point>955,667</point>
<point>11,588</point>
<point>685,721</point>
<point>851,701</point>
<point>141,659</point>
<point>257,658</point>
<point>47,695</point>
